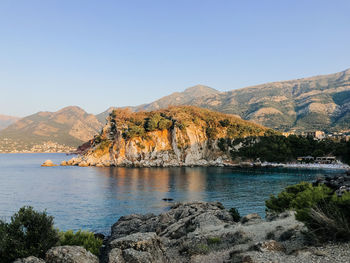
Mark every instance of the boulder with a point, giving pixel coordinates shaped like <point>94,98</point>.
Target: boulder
<point>30,259</point>
<point>70,254</point>
<point>198,229</point>
<point>48,163</point>
<point>135,256</point>
<point>64,163</point>
<point>251,218</point>
<point>269,245</point>
<point>115,256</point>
<point>138,247</point>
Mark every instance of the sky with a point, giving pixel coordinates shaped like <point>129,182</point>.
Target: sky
<point>97,54</point>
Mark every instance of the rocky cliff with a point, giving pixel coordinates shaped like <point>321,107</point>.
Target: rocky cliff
<point>177,136</point>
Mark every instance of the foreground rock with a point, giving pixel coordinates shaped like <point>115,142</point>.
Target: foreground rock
<point>203,232</point>
<point>340,184</point>
<point>63,254</point>
<point>70,254</point>
<point>29,260</point>
<point>189,232</point>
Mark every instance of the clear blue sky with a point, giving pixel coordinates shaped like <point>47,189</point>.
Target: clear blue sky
<point>97,54</point>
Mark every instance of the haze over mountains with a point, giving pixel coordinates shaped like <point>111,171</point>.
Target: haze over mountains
<point>6,121</point>
<point>315,103</point>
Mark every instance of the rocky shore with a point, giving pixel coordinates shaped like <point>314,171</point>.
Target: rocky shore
<point>203,232</point>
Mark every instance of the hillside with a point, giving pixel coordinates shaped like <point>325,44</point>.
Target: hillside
<point>177,136</point>
<point>174,99</point>
<point>321,102</point>
<point>6,121</point>
<point>70,126</point>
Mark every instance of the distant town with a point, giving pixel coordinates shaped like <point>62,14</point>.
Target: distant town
<point>12,146</point>
<point>320,135</point>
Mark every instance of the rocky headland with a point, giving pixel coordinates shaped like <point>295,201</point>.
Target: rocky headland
<point>203,232</point>
<point>177,136</point>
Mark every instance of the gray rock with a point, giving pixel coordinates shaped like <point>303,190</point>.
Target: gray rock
<point>70,254</point>
<point>197,229</point>
<point>134,256</point>
<point>30,259</point>
<point>251,218</point>
<point>140,242</point>
<point>269,245</point>
<point>116,256</point>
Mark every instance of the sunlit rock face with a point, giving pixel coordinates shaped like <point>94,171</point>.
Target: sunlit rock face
<point>178,136</point>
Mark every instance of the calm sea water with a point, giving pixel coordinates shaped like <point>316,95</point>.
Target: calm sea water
<point>94,198</point>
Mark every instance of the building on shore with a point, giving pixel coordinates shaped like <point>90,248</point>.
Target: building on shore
<point>318,135</point>
<point>319,160</point>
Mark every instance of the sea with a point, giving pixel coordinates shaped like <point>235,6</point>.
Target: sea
<point>94,198</point>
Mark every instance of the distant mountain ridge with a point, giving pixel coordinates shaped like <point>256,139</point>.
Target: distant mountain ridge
<point>315,103</point>
<point>70,126</point>
<point>174,99</point>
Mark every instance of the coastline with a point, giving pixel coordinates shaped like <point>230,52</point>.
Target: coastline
<point>242,165</point>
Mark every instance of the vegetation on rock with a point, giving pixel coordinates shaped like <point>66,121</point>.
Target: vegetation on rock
<point>84,239</point>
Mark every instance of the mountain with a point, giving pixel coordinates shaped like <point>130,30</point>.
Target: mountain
<point>178,98</point>
<point>316,103</point>
<point>70,126</point>
<point>176,136</point>
<point>174,99</point>
<point>6,121</point>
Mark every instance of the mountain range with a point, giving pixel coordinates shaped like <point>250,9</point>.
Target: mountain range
<point>307,104</point>
<point>70,126</point>
<point>316,103</point>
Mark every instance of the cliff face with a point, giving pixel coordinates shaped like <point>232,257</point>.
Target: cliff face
<point>178,136</point>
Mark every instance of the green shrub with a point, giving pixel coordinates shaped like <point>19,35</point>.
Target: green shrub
<point>235,214</point>
<point>84,239</point>
<point>29,233</point>
<point>284,200</point>
<point>134,131</point>
<point>225,123</point>
<point>151,123</point>
<point>211,132</point>
<point>326,215</point>
<point>164,124</point>
<point>213,240</point>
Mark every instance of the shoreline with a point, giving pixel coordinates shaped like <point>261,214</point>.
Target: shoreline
<point>265,165</point>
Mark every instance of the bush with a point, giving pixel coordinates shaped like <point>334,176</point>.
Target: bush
<point>286,199</point>
<point>134,131</point>
<point>164,124</point>
<point>152,122</point>
<point>211,132</point>
<point>29,233</point>
<point>235,214</point>
<point>225,123</point>
<point>326,215</point>
<point>84,239</point>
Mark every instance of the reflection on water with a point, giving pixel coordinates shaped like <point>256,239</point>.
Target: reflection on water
<point>94,198</point>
